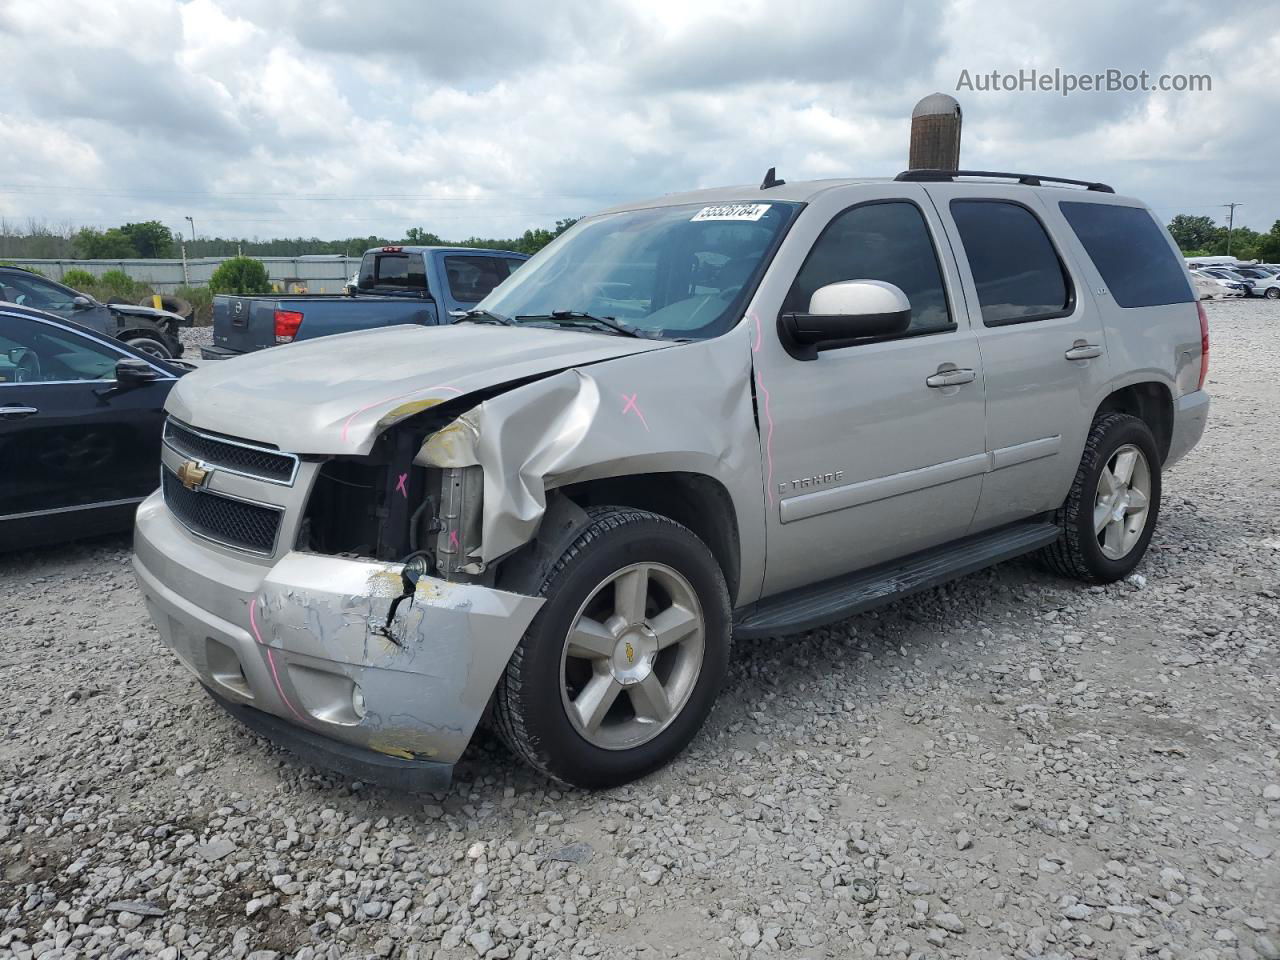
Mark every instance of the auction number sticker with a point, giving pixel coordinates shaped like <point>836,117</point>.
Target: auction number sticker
<point>732,211</point>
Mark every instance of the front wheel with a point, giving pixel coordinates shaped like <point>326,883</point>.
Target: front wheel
<point>623,663</point>
<point>1273,293</point>
<point>152,346</point>
<point>1111,511</point>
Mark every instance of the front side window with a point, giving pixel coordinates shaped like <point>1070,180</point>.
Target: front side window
<point>1015,267</point>
<point>679,272</point>
<point>471,279</point>
<point>887,241</point>
<point>1130,252</point>
<point>32,291</point>
<point>35,352</point>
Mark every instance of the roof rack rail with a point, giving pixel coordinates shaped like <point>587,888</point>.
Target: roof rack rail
<point>1026,179</point>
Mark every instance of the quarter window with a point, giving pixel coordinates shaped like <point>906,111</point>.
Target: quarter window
<point>1015,267</point>
<point>36,352</point>
<point>1130,252</point>
<point>886,241</point>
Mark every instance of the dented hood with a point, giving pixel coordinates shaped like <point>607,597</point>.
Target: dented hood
<point>334,395</point>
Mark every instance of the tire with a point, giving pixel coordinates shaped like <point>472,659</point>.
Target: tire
<point>149,343</point>
<point>1110,554</point>
<point>542,704</point>
<point>1273,293</point>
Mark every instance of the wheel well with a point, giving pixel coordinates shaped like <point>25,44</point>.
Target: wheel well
<point>153,332</point>
<point>1150,402</point>
<point>693,500</point>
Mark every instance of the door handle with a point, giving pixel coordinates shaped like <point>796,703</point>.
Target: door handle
<point>951,378</point>
<point>1081,350</point>
<point>15,411</point>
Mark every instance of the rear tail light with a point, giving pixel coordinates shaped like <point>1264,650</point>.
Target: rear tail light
<point>1204,344</point>
<point>287,324</point>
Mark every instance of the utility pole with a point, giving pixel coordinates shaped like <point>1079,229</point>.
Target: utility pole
<point>193,228</point>
<point>1231,221</point>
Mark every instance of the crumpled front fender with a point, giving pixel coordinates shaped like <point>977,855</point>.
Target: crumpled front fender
<point>685,409</point>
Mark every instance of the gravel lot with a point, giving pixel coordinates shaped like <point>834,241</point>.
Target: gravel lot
<point>1010,766</point>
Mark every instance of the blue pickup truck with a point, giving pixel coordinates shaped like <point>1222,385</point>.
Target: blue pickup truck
<point>427,285</point>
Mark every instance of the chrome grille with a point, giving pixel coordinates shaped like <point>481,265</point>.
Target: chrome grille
<point>227,453</point>
<point>235,523</point>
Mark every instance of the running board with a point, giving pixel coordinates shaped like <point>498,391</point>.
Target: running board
<point>814,606</point>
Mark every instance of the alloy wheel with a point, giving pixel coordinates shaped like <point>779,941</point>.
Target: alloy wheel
<point>1122,502</point>
<point>632,656</point>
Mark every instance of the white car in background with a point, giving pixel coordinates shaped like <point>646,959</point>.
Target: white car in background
<point>1264,281</point>
<point>1208,286</point>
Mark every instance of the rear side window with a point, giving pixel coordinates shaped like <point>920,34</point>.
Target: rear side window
<point>1015,267</point>
<point>1130,252</point>
<point>471,278</point>
<point>886,241</point>
<point>393,272</point>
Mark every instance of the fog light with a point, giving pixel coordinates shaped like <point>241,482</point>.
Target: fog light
<point>357,701</point>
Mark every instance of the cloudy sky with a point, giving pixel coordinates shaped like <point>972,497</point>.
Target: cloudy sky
<point>336,119</point>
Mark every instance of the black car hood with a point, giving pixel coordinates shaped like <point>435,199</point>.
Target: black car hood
<point>162,317</point>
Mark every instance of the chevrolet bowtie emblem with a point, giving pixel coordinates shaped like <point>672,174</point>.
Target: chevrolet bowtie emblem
<point>192,475</point>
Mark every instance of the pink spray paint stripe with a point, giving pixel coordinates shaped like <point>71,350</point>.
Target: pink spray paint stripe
<point>400,396</point>
<point>631,405</point>
<point>271,661</point>
<point>768,415</point>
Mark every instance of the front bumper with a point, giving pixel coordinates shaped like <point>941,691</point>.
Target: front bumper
<point>305,642</point>
<point>1190,414</point>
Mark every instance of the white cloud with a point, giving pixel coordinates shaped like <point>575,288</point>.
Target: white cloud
<point>316,118</point>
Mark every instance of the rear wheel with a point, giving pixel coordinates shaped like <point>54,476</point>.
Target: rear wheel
<point>1111,512</point>
<point>623,663</point>
<point>1273,293</point>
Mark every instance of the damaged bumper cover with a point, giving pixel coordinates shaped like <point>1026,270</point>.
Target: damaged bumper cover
<point>309,652</point>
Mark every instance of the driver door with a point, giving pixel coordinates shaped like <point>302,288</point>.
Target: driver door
<point>869,455</point>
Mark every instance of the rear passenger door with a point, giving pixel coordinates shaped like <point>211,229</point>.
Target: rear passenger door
<point>1041,339</point>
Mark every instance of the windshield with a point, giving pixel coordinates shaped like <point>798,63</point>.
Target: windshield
<point>676,272</point>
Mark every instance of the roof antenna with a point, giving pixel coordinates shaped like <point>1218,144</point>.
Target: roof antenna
<point>771,179</point>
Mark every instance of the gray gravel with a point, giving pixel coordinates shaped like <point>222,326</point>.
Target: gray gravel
<point>1011,766</point>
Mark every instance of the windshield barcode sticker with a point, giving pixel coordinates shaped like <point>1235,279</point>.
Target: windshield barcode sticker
<point>732,211</point>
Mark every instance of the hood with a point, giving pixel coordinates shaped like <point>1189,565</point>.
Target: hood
<point>335,394</point>
<point>161,317</point>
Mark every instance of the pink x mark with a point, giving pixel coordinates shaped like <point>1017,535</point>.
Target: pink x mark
<point>401,487</point>
<point>453,539</point>
<point>631,405</point>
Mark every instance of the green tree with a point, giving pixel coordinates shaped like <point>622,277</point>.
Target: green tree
<point>152,239</point>
<point>79,279</point>
<point>240,275</point>
<point>1193,233</point>
<point>111,244</point>
<point>1269,245</point>
<point>417,237</point>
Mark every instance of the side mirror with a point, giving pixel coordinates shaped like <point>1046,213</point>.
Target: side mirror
<point>81,303</point>
<point>132,373</point>
<point>848,310</point>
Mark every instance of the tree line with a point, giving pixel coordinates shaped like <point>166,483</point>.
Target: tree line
<point>151,239</point>
<point>1201,237</point>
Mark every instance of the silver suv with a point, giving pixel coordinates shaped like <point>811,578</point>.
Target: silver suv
<point>735,412</point>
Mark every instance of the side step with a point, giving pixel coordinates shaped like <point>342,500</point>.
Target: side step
<point>814,606</point>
